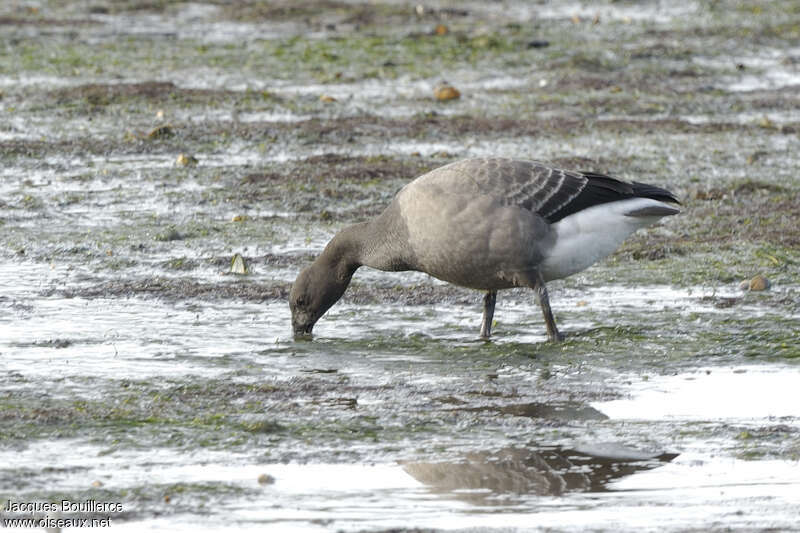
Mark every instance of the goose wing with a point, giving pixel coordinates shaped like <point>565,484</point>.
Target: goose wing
<point>550,192</point>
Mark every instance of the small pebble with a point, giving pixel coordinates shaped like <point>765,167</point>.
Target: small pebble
<point>766,123</point>
<point>538,43</point>
<point>444,92</point>
<point>186,160</point>
<point>161,132</point>
<point>265,479</point>
<point>238,266</point>
<point>757,283</point>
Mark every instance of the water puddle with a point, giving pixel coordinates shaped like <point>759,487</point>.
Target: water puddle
<point>753,393</point>
<point>309,497</point>
<point>726,410</point>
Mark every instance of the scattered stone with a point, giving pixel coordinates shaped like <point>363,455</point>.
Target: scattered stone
<point>186,160</point>
<point>444,92</point>
<point>238,265</point>
<point>538,43</point>
<point>766,123</point>
<point>161,132</point>
<point>266,479</point>
<point>757,283</point>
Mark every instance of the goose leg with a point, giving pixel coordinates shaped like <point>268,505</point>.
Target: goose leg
<point>489,300</point>
<point>544,302</point>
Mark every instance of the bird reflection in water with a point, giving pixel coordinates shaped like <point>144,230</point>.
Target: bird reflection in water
<point>534,470</point>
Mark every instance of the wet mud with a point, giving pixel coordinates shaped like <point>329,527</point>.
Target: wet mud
<point>144,145</point>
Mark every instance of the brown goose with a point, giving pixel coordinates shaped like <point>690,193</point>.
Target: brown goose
<point>486,224</point>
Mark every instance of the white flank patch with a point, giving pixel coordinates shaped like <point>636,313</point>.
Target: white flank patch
<point>585,237</point>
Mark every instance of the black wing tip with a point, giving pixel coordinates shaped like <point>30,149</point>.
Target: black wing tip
<point>645,190</point>
<point>601,188</point>
<point>634,188</point>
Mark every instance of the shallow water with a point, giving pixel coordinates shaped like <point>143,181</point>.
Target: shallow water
<point>409,357</point>
<point>137,369</point>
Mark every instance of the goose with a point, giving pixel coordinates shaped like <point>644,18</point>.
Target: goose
<point>486,224</point>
